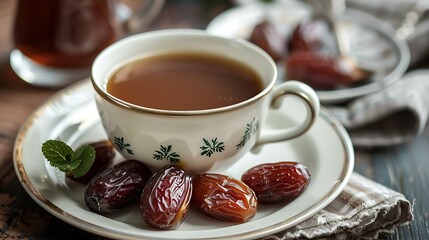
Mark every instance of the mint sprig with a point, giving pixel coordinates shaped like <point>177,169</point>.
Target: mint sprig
<point>62,156</point>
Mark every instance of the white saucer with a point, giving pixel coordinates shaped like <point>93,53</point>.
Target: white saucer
<point>71,116</point>
<point>372,42</point>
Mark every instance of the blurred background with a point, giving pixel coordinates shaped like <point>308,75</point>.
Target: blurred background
<point>402,167</point>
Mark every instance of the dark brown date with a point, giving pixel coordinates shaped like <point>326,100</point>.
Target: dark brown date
<point>165,199</point>
<point>322,71</point>
<point>116,187</point>
<point>224,197</point>
<point>314,34</point>
<point>277,182</point>
<point>104,154</point>
<point>266,36</point>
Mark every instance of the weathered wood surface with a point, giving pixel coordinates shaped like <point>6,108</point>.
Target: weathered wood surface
<point>403,168</point>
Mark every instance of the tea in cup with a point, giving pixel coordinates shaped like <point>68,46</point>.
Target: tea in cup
<point>190,98</point>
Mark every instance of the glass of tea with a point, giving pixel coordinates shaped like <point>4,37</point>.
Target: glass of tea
<point>56,41</point>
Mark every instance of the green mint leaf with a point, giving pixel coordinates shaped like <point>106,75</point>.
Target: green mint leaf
<point>61,156</point>
<point>85,157</point>
<point>66,167</point>
<point>58,154</point>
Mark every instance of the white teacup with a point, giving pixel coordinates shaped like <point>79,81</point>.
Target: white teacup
<point>188,138</point>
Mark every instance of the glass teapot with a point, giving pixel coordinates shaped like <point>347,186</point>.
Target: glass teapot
<point>57,40</point>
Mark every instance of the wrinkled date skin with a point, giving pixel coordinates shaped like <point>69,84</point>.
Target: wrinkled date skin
<point>165,199</point>
<point>314,59</point>
<point>116,187</point>
<point>322,71</point>
<point>277,182</point>
<point>267,37</point>
<point>224,198</point>
<point>104,154</point>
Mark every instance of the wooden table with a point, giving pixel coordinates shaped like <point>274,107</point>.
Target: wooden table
<point>403,168</point>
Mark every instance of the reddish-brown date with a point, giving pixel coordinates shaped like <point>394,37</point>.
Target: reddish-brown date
<point>104,154</point>
<point>322,71</point>
<point>266,36</point>
<point>277,182</point>
<point>224,197</point>
<point>116,187</point>
<point>165,199</point>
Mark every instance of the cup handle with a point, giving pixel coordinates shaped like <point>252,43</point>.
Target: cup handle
<point>307,95</point>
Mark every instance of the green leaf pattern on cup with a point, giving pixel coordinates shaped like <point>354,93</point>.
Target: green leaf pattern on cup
<point>119,141</point>
<point>211,147</point>
<point>208,148</point>
<point>251,128</point>
<point>165,153</point>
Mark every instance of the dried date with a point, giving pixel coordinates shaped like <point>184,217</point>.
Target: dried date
<point>116,187</point>
<point>224,197</point>
<point>266,36</point>
<point>104,154</point>
<point>277,182</point>
<point>322,71</point>
<point>165,199</point>
<point>314,34</point>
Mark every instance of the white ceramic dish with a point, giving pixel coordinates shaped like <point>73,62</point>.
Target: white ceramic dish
<point>372,42</point>
<point>71,116</point>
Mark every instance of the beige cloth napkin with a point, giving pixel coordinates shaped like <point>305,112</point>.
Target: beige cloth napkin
<point>389,117</point>
<point>364,210</point>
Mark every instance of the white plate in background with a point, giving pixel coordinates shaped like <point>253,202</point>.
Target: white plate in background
<point>372,42</point>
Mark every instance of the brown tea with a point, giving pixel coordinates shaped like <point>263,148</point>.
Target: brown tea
<point>64,33</point>
<point>184,81</point>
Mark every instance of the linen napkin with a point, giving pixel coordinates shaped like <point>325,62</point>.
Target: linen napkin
<point>392,116</point>
<point>364,210</point>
